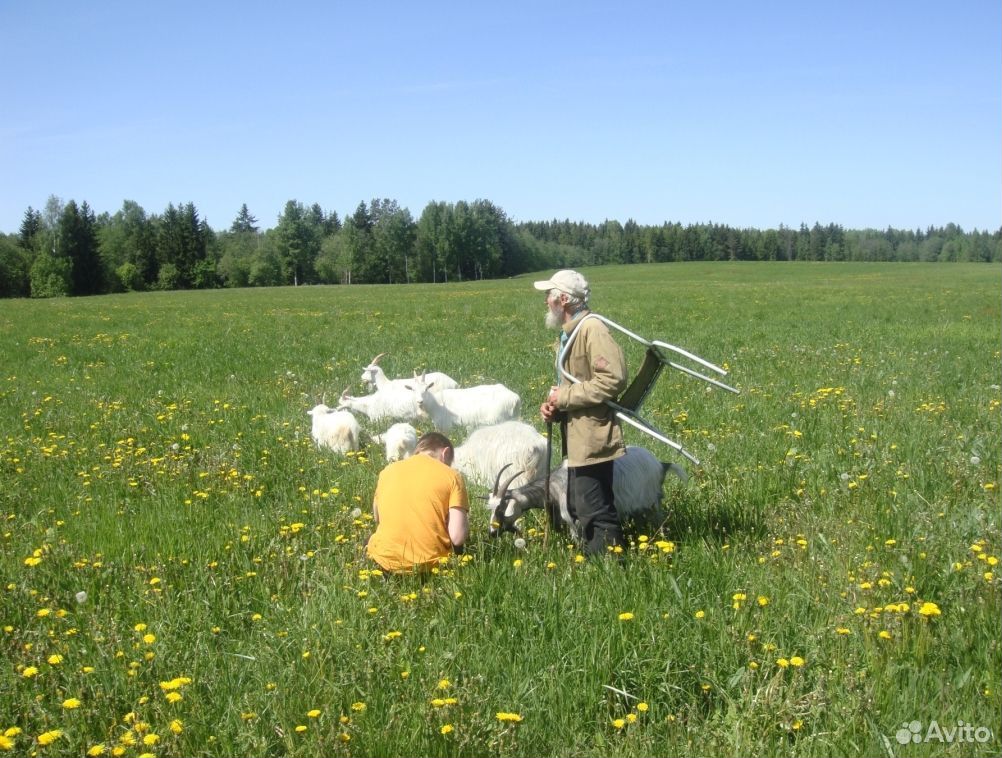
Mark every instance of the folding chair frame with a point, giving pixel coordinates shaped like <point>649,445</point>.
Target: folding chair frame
<point>627,408</point>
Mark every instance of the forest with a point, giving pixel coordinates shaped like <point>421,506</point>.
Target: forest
<point>66,249</point>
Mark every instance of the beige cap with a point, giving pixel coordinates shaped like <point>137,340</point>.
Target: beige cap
<point>570,282</point>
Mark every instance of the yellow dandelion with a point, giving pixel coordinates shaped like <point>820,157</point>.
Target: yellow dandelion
<point>446,729</point>
<point>300,728</point>
<point>358,707</point>
<point>95,750</point>
<point>176,726</point>
<point>508,717</point>
<point>151,739</point>
<point>344,737</point>
<point>796,661</point>
<point>55,660</point>
<point>930,609</point>
<point>626,616</point>
<point>762,600</point>
<point>173,697</point>
<point>29,671</point>
<point>71,703</point>
<point>47,738</point>
<point>843,630</point>
<point>315,713</point>
<point>149,639</point>
<point>619,723</point>
<point>643,707</point>
<point>6,743</point>
<point>443,684</point>
<point>700,614</point>
<point>782,663</point>
<point>884,634</point>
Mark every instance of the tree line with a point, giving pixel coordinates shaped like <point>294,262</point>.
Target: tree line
<point>67,249</point>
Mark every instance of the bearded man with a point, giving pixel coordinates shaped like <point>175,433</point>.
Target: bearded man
<point>591,433</point>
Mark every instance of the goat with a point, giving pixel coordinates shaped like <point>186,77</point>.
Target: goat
<point>335,429</point>
<point>488,448</point>
<point>399,440</point>
<point>382,405</point>
<point>638,478</point>
<point>473,407</point>
<point>375,378</point>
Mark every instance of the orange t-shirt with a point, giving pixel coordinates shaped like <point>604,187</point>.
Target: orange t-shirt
<point>413,498</point>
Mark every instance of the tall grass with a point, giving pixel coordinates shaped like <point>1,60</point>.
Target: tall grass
<point>827,577</point>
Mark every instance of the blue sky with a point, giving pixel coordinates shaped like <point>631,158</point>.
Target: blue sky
<point>751,114</point>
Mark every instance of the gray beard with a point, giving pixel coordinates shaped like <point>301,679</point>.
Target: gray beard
<point>554,320</point>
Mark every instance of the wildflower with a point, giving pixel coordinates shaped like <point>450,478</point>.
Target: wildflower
<point>763,601</point>
<point>95,750</point>
<point>55,660</point>
<point>517,563</point>
<point>81,597</point>
<point>843,630</point>
<point>344,737</point>
<point>508,717</point>
<point>619,723</point>
<point>149,639</point>
<point>579,558</point>
<point>782,663</point>
<point>173,697</point>
<point>71,703</point>
<point>796,661</point>
<point>358,707</point>
<point>627,616</point>
<point>446,729</point>
<point>631,718</point>
<point>151,739</point>
<point>884,634</point>
<point>443,684</point>
<point>700,614</point>
<point>300,728</point>
<point>42,612</point>
<point>6,743</point>
<point>642,707</point>
<point>176,726</point>
<point>929,609</point>
<point>29,671</point>
<point>47,738</point>
<point>315,713</point>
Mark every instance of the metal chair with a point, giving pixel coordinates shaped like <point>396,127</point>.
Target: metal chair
<point>627,407</point>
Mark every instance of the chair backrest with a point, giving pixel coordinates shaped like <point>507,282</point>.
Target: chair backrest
<point>635,394</point>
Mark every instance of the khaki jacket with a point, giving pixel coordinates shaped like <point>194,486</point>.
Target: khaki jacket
<point>593,434</point>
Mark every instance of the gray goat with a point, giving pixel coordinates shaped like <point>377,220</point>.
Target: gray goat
<point>638,479</point>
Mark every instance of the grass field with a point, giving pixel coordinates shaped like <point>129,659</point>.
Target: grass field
<point>827,578</point>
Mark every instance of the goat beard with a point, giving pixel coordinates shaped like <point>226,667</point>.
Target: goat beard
<point>554,318</point>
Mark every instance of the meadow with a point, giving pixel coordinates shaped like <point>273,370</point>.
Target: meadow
<point>182,570</point>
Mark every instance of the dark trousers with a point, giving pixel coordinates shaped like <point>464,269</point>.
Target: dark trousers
<point>589,490</point>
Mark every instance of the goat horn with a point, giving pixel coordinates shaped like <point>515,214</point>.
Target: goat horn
<point>504,487</point>
<point>323,399</point>
<point>497,479</point>
<point>375,360</point>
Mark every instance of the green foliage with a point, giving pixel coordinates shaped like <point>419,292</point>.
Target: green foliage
<point>50,276</point>
<point>381,243</point>
<point>157,457</point>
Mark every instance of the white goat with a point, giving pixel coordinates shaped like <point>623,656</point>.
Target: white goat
<point>397,403</point>
<point>335,429</point>
<point>375,378</point>
<point>472,407</point>
<point>489,448</point>
<point>399,440</point>
<point>638,479</point>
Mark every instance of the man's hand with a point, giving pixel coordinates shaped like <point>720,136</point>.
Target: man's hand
<point>548,409</point>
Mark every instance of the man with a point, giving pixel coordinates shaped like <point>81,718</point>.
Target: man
<point>421,508</point>
<point>592,435</point>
